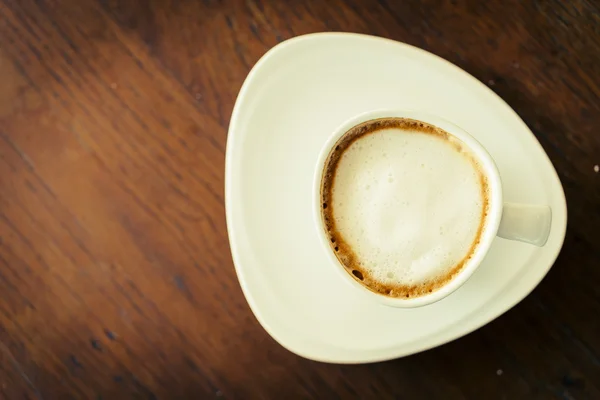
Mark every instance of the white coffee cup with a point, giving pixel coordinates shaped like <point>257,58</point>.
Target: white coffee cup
<point>526,223</point>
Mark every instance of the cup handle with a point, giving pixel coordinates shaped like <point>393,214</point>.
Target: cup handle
<point>526,223</point>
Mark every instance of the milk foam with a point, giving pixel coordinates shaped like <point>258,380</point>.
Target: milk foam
<point>408,204</point>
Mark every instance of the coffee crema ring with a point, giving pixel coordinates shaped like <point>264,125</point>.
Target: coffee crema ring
<point>348,255</point>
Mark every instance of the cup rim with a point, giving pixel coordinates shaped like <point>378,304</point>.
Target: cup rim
<point>493,217</point>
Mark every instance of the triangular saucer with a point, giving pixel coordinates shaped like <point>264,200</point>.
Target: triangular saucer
<point>292,100</point>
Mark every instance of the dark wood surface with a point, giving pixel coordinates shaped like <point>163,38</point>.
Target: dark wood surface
<point>116,279</point>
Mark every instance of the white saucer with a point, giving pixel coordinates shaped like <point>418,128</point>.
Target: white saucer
<point>292,100</point>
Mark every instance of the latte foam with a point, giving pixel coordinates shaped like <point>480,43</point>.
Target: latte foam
<point>404,204</point>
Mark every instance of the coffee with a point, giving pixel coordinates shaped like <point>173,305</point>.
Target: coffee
<point>404,204</point>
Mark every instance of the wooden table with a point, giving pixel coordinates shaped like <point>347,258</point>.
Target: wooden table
<point>116,279</point>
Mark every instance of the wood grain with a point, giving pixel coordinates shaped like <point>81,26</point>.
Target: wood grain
<point>116,280</point>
